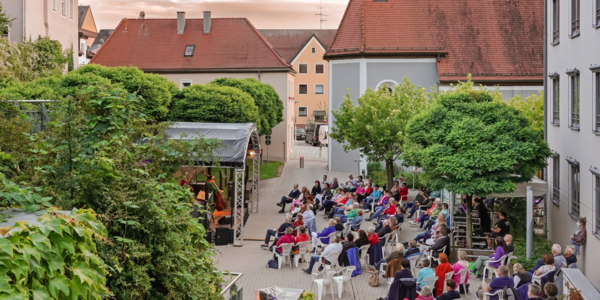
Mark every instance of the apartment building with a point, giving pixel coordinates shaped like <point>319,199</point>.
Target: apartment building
<point>56,19</point>
<point>573,124</point>
<point>87,33</point>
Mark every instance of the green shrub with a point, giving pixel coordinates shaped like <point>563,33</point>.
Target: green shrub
<point>213,103</point>
<point>266,99</point>
<point>32,60</point>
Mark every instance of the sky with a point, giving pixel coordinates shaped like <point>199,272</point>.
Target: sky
<point>264,14</point>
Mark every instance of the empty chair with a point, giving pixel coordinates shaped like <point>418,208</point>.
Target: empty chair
<point>413,263</point>
<point>303,250</point>
<point>344,275</point>
<point>322,278</point>
<point>286,250</point>
<point>429,282</point>
<point>364,254</point>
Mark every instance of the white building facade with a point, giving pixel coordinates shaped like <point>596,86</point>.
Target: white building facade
<point>573,125</point>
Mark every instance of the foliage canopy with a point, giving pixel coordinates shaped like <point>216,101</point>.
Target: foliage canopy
<point>5,22</point>
<point>533,109</point>
<point>31,60</point>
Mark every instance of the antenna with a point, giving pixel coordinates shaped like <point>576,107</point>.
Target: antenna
<point>321,15</point>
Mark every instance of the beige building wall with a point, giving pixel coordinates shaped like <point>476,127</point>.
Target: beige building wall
<point>34,18</point>
<point>282,82</point>
<point>89,24</point>
<point>311,100</point>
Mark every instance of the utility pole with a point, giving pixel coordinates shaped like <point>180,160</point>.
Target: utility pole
<point>321,15</point>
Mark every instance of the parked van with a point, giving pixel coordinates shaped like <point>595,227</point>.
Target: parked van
<point>323,135</point>
<point>312,132</point>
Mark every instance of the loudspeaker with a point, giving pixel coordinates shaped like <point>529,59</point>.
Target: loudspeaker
<point>231,235</point>
<point>222,237</point>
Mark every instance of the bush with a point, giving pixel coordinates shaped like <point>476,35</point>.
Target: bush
<point>266,99</point>
<point>213,104</point>
<point>31,60</point>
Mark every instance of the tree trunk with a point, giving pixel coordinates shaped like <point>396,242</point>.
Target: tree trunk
<point>469,205</point>
<point>389,174</point>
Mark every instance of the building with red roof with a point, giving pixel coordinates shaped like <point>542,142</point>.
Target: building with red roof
<point>434,43</point>
<point>189,51</point>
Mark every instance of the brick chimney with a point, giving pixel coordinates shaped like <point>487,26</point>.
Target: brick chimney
<point>180,22</point>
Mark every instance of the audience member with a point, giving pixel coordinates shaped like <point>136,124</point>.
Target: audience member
<point>338,224</point>
<point>404,285</point>
<point>425,272</point>
<point>309,219</point>
<point>299,222</point>
<point>285,239</point>
<point>323,235</point>
<point>403,192</point>
<point>461,264</point>
<point>278,232</point>
<point>500,282</point>
<point>421,203</point>
<point>375,196</point>
<point>520,277</point>
<point>324,180</point>
<point>383,231</point>
<point>363,239</point>
<point>440,271</point>
<point>412,249</point>
<point>451,293</point>
<point>302,236</point>
<point>393,223</point>
<point>361,190</point>
<point>396,190</point>
<point>510,248</point>
<point>501,228</point>
<point>398,253</point>
<point>570,258</point>
<point>295,193</point>
<point>343,259</point>
<point>500,251</point>
<point>335,184</point>
<point>316,189</point>
<point>545,269</point>
<point>425,294</point>
<point>434,210</point>
<point>578,239</point>
<point>443,243</point>
<point>373,238</point>
<point>551,291</point>
<point>350,183</point>
<point>557,260</point>
<point>329,254</point>
<point>534,292</point>
<point>389,209</point>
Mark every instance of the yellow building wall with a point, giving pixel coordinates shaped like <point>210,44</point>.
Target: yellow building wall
<point>89,24</point>
<point>313,102</point>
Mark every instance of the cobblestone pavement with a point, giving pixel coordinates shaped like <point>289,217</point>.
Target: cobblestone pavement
<point>251,259</point>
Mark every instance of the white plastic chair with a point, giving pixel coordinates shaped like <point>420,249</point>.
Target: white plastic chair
<point>499,293</point>
<point>286,250</point>
<point>303,250</point>
<point>449,275</point>
<point>334,263</point>
<point>502,260</point>
<point>345,275</point>
<point>364,254</point>
<point>322,278</point>
<point>413,264</point>
<point>428,281</point>
<point>297,230</point>
<point>386,239</point>
<point>432,258</point>
<point>322,245</point>
<point>463,279</point>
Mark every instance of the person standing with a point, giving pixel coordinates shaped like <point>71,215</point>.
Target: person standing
<point>578,239</point>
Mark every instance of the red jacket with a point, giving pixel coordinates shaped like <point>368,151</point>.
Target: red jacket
<point>404,194</point>
<point>390,210</point>
<point>287,238</point>
<point>302,238</point>
<point>297,224</point>
<point>373,239</point>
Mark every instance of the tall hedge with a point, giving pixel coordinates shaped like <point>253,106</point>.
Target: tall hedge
<point>213,103</point>
<point>31,60</point>
<point>266,99</point>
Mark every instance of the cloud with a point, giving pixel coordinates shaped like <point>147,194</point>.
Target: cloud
<point>264,14</point>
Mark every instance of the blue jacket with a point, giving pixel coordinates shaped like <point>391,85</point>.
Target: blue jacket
<point>326,232</point>
<point>294,194</point>
<point>375,254</point>
<point>376,194</point>
<point>353,259</point>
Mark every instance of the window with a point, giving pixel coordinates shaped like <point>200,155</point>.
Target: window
<point>303,68</point>
<point>556,178</point>
<point>319,68</point>
<point>319,89</point>
<point>597,13</point>
<point>575,13</point>
<point>388,84</point>
<point>63,7</point>
<point>54,5</point>
<point>556,100</point>
<point>555,21</point>
<point>189,50</point>
<point>597,101</point>
<point>303,89</point>
<point>574,95</point>
<point>302,111</point>
<point>319,115</point>
<point>186,83</point>
<point>313,50</point>
<point>575,181</point>
<point>71,9</point>
<point>597,198</point>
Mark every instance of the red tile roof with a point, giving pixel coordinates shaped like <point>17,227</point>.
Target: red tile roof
<point>153,44</point>
<point>289,42</point>
<point>498,40</point>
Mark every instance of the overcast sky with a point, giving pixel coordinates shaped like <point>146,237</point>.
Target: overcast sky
<point>264,14</point>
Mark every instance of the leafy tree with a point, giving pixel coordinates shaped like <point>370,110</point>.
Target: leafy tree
<point>470,144</point>
<point>31,60</point>
<point>5,21</point>
<point>266,99</point>
<point>377,126</point>
<point>533,109</point>
<point>213,103</point>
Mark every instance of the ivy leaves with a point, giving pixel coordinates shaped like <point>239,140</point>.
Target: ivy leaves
<point>13,194</point>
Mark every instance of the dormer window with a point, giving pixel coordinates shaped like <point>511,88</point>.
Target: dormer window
<point>189,50</point>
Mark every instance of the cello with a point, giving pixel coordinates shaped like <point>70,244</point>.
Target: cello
<point>219,198</point>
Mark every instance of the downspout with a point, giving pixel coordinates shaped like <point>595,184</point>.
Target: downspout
<point>545,79</point>
<point>23,37</point>
<point>258,76</point>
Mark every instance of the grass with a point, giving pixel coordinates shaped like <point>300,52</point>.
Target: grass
<point>269,170</point>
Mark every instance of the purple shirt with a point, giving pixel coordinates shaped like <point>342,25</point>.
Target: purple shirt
<point>499,283</point>
<point>499,253</point>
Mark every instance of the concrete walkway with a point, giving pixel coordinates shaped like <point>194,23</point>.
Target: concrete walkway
<point>251,259</point>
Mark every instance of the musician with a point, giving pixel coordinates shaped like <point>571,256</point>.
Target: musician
<point>212,189</point>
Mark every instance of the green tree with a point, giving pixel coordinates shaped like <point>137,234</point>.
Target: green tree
<point>31,60</point>
<point>533,109</point>
<point>213,103</point>
<point>470,144</point>
<point>266,99</point>
<point>377,125</point>
<point>5,22</point>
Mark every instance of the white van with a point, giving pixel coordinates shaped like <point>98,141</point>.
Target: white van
<point>323,135</point>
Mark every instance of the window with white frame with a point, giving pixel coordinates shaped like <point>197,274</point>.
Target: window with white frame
<point>319,89</point>
<point>303,89</point>
<point>597,199</point>
<point>319,68</point>
<point>63,7</point>
<point>555,99</point>
<point>555,21</point>
<point>54,5</point>
<point>302,111</point>
<point>574,98</point>
<point>186,83</point>
<point>597,13</point>
<point>575,180</point>
<point>303,68</point>
<point>556,178</point>
<point>71,9</point>
<point>596,96</point>
<point>575,17</point>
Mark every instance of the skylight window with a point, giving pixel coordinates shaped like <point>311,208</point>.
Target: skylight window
<point>189,50</point>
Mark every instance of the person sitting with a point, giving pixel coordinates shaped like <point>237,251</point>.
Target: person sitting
<point>346,210</point>
<point>520,276</point>
<point>440,219</point>
<point>341,204</point>
<point>328,255</point>
<point>461,264</point>
<point>425,294</point>
<point>362,240</point>
<point>403,193</point>
<point>570,259</point>
<point>375,196</point>
<point>302,236</point>
<point>334,184</point>
<point>324,181</point>
<point>399,216</point>
<point>309,219</point>
<point>349,213</point>
<point>384,230</point>
<point>355,223</point>
<point>434,213</point>
<point>338,224</point>
<point>450,293</point>
<point>412,249</point>
<point>534,292</point>
<point>551,290</point>
<point>368,191</point>
<point>295,193</point>
<point>558,259</point>
<point>421,203</point>
<point>328,204</point>
<point>440,271</point>
<point>285,239</point>
<point>299,222</point>
<point>396,190</point>
<point>383,201</point>
<point>388,210</point>
<point>500,251</point>
<point>499,283</point>
<point>404,285</point>
<point>545,269</point>
<point>442,243</point>
<point>373,238</point>
<point>510,248</point>
<point>324,195</point>
<point>425,272</point>
<point>343,260</point>
<point>323,235</point>
<point>297,202</point>
<point>350,183</point>
<point>424,217</point>
<point>418,199</point>
<point>501,228</point>
<point>278,232</point>
<point>360,191</point>
<point>398,253</point>
<point>393,223</point>
<point>316,189</point>
<point>357,183</point>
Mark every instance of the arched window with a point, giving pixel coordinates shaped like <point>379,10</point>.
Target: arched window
<point>389,83</point>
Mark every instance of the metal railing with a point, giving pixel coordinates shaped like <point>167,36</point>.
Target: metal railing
<point>227,288</point>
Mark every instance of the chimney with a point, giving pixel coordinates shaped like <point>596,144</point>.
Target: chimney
<point>180,22</point>
<point>207,22</point>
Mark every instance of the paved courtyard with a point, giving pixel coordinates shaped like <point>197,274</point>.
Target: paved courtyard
<point>251,259</point>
